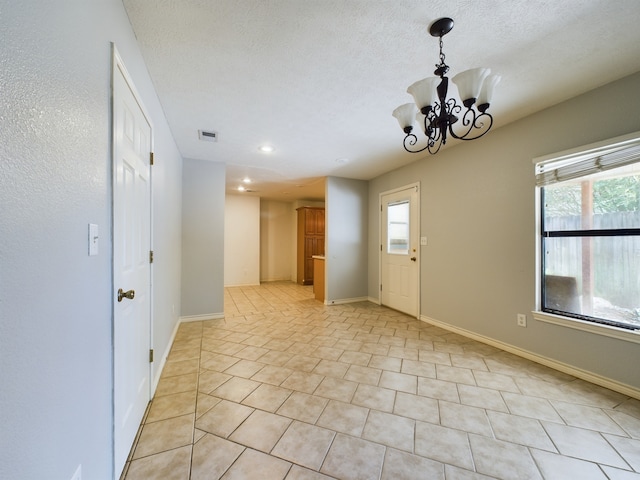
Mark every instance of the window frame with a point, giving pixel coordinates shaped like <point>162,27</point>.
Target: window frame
<point>557,318</point>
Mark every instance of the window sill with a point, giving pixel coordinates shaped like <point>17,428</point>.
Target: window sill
<point>596,328</point>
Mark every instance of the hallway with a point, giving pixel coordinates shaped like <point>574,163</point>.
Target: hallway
<point>287,388</point>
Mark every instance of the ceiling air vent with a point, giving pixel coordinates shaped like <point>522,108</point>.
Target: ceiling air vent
<point>208,136</point>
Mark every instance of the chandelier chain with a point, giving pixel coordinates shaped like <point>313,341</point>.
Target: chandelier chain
<point>442,64</point>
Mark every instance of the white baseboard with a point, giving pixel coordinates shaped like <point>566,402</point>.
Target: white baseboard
<point>548,362</point>
<point>157,369</point>
<point>200,318</point>
<point>162,360</point>
<point>340,301</point>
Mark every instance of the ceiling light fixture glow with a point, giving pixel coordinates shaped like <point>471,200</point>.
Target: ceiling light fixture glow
<point>246,180</point>
<point>436,114</point>
<point>241,188</point>
<point>266,149</point>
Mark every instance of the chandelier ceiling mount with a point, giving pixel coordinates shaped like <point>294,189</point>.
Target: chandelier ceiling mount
<point>441,27</point>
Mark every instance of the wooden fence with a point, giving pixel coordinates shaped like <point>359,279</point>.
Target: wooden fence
<point>615,261</point>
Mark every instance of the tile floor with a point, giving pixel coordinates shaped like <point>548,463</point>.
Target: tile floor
<point>287,388</point>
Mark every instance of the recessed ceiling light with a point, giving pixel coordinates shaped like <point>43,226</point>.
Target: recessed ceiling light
<point>246,180</point>
<point>241,188</point>
<point>266,149</point>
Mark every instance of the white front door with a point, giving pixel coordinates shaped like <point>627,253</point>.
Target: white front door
<point>400,250</point>
<point>131,266</point>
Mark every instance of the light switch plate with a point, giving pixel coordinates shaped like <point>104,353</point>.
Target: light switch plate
<point>423,240</point>
<point>93,239</point>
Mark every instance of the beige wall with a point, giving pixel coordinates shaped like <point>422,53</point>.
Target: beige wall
<point>241,240</point>
<point>276,241</point>
<point>477,211</point>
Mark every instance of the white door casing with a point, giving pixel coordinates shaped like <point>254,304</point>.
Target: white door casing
<point>132,143</point>
<point>400,249</point>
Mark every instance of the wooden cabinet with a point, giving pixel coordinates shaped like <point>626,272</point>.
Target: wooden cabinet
<point>310,241</point>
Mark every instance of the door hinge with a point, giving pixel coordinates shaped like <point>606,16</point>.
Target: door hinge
<point>380,247</point>
<point>150,158</point>
<point>151,356</point>
<point>150,256</point>
<point>380,287</point>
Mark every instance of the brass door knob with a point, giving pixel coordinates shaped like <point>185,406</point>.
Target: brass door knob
<point>128,294</point>
<point>413,259</point>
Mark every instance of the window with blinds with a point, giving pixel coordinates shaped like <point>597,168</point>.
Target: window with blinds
<point>590,234</point>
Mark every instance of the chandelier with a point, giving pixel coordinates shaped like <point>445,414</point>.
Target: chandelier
<point>435,114</point>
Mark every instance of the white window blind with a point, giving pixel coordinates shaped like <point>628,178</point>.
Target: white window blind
<point>588,161</point>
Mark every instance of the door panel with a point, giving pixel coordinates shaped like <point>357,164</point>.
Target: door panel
<point>319,222</point>
<point>399,250</point>
<point>131,268</point>
<point>318,246</point>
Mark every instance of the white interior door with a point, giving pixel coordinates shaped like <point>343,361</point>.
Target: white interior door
<point>131,263</point>
<point>400,250</point>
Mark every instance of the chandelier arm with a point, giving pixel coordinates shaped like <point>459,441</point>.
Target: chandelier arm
<point>480,124</point>
<point>411,140</point>
<point>473,121</point>
<point>435,136</point>
<point>469,121</point>
<point>434,146</point>
<point>434,113</point>
<point>453,107</point>
<point>453,110</point>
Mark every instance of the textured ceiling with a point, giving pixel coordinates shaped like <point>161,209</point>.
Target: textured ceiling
<point>318,79</point>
